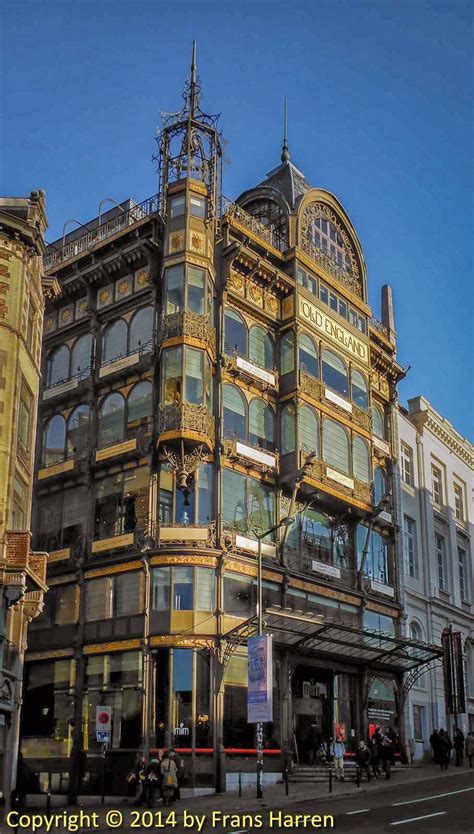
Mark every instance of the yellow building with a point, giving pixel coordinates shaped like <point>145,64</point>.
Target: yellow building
<point>22,572</point>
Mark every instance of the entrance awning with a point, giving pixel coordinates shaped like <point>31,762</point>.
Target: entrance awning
<point>329,639</point>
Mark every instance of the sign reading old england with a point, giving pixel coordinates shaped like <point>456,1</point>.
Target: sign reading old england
<point>333,330</point>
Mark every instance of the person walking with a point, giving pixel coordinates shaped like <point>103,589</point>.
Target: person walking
<point>434,741</point>
<point>153,783</point>
<point>363,757</point>
<point>374,756</point>
<point>339,749</point>
<point>386,754</point>
<point>459,746</point>
<point>136,779</point>
<point>470,747</point>
<point>169,776</point>
<point>444,749</point>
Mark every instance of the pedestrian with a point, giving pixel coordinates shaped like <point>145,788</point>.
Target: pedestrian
<point>374,756</point>
<point>153,783</point>
<point>363,758</point>
<point>459,746</point>
<point>314,744</point>
<point>386,754</point>
<point>470,747</point>
<point>434,741</point>
<point>179,772</point>
<point>169,778</point>
<point>323,753</point>
<point>339,749</point>
<point>136,779</point>
<point>444,748</point>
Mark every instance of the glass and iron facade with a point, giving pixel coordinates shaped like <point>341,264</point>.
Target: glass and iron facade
<point>200,354</point>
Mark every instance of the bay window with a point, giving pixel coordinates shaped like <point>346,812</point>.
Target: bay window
<point>187,288</point>
<point>186,376</point>
<point>122,502</point>
<point>248,504</point>
<point>183,588</point>
<point>376,563</point>
<point>191,507</point>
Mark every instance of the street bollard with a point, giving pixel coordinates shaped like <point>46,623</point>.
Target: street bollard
<point>240,783</point>
<point>285,778</point>
<point>358,775</point>
<point>330,780</point>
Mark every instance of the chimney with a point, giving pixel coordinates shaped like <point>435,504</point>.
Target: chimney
<point>388,319</point>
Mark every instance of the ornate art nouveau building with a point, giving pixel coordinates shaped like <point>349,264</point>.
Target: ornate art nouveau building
<point>22,572</point>
<point>210,368</point>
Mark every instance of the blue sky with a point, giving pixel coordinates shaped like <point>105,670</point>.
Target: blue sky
<point>379,111</point>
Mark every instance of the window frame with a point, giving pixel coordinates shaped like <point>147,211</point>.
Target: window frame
<point>410,546</point>
<point>406,464</point>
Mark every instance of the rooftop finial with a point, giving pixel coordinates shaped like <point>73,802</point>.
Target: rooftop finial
<point>193,90</point>
<point>285,153</point>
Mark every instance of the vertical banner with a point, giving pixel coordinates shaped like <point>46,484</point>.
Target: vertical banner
<point>454,687</point>
<point>459,672</point>
<point>260,680</point>
<point>447,671</point>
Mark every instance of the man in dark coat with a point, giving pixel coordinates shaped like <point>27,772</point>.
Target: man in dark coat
<point>363,757</point>
<point>434,741</point>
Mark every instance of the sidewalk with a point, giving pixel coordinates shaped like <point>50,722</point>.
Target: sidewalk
<point>274,796</point>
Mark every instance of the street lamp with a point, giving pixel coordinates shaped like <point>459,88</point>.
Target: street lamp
<point>285,522</point>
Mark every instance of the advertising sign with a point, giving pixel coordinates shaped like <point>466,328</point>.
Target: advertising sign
<point>260,680</point>
<point>103,720</point>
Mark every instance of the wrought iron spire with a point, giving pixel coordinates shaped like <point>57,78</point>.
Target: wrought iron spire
<point>285,153</point>
<point>193,85</point>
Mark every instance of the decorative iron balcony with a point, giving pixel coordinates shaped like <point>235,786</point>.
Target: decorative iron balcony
<point>236,212</point>
<point>186,417</point>
<point>318,563</point>
<point>91,239</point>
<point>345,276</point>
<point>379,327</point>
<point>188,324</point>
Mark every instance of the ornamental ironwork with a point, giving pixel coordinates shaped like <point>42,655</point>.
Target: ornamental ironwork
<point>361,417</point>
<point>346,272</point>
<point>378,327</point>
<point>186,417</point>
<point>188,325</point>
<point>236,212</point>
<point>311,387</point>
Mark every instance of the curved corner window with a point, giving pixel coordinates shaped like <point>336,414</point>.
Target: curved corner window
<point>141,328</point>
<point>288,429</point>
<point>287,353</point>
<point>336,446</point>
<point>309,429</point>
<point>111,420</point>
<point>235,333</point>
<point>261,347</point>
<point>196,289</point>
<point>378,428</point>
<point>360,394</point>
<point>57,369</point>
<point>196,374</point>
<point>261,424</point>
<point>173,375</point>
<point>335,373</point>
<point>78,429</point>
<point>235,413</point>
<point>115,341</point>
<point>361,459</point>
<point>308,355</point>
<point>174,278</point>
<point>54,440</point>
<point>81,356</point>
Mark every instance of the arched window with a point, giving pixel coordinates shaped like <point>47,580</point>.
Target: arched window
<point>115,341</point>
<point>235,331</point>
<point>309,429</point>
<point>235,413</point>
<point>261,424</point>
<point>287,353</point>
<point>139,404</point>
<point>377,422</point>
<point>111,420</point>
<point>360,396</point>
<point>416,632</point>
<point>336,446</point>
<point>325,236</point>
<point>288,429</point>
<point>78,429</point>
<point>380,484</point>
<point>361,459</point>
<point>335,373</point>
<point>58,366</point>
<point>81,357</point>
<point>54,440</point>
<point>308,355</point>
<point>141,328</point>
<point>261,347</point>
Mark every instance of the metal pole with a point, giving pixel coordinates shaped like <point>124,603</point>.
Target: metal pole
<point>260,632</point>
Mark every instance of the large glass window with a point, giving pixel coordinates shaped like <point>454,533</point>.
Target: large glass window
<point>238,595</point>
<point>122,502</point>
<point>308,355</point>
<point>139,406</point>
<point>78,429</point>
<point>287,353</point>
<point>61,518</point>
<point>261,424</point>
<point>190,294</point>
<point>360,395</point>
<point>183,588</point>
<point>376,561</point>
<point>141,329</point>
<point>54,440</point>
<point>81,357</point>
<point>47,701</point>
<point>378,427</point>
<point>324,236</point>
<point>194,376</point>
<point>183,581</point>
<point>235,331</point>
<point>175,289</point>
<point>19,504</point>
<point>335,373</point>
<point>248,504</point>
<point>196,289</point>
<point>197,373</point>
<point>115,680</point>
<point>309,429</point>
<point>24,418</point>
<point>361,459</point>
<point>173,375</point>
<point>288,429</point>
<point>111,420</point>
<point>336,446</point>
<point>235,413</point>
<point>261,347</point>
<point>380,484</point>
<point>409,538</point>
<point>114,341</point>
<point>191,507</point>
<point>57,368</point>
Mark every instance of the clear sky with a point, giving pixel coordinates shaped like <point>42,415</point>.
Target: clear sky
<point>380,114</point>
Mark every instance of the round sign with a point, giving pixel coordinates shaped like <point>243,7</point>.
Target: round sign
<point>103,718</point>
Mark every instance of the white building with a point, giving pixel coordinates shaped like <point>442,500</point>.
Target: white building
<point>437,518</point>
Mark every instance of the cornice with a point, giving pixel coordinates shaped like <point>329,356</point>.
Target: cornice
<point>450,438</point>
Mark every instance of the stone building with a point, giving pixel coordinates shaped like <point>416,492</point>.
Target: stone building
<point>211,368</point>
<point>436,478</point>
<point>22,572</point>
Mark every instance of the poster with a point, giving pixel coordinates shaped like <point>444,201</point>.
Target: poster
<point>260,680</point>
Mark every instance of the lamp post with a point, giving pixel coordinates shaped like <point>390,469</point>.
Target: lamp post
<point>285,522</point>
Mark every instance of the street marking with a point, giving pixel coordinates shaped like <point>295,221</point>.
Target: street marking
<point>362,811</point>
<point>415,819</point>
<point>427,798</point>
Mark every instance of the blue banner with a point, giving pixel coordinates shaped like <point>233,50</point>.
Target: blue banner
<point>260,680</point>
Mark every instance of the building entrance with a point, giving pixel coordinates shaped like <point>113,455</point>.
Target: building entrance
<point>312,695</point>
